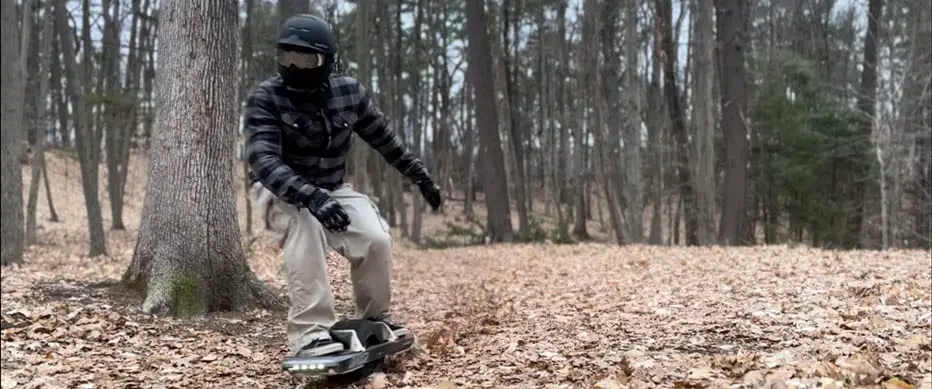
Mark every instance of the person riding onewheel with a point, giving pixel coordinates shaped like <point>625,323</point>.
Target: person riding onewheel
<point>299,124</point>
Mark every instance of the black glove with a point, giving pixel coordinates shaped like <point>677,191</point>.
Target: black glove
<point>430,191</point>
<point>418,175</point>
<point>328,211</point>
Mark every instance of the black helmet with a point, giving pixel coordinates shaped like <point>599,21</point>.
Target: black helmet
<point>311,36</point>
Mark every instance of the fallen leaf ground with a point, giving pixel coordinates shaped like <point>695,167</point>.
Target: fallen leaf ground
<point>499,316</point>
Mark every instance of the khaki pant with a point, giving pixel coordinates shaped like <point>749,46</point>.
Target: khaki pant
<point>269,210</point>
<point>366,244</point>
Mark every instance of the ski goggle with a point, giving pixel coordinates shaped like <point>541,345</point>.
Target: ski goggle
<point>299,59</point>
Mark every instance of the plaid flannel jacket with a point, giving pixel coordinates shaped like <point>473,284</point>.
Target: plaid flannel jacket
<point>294,147</point>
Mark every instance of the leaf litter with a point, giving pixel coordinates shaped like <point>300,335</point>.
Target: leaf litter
<point>497,316</point>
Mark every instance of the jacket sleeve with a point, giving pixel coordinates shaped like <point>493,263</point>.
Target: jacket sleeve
<point>264,151</point>
<point>371,127</point>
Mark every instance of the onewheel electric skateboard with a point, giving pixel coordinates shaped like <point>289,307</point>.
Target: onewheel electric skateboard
<point>366,344</point>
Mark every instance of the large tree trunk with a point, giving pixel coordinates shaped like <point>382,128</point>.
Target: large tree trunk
<point>866,104</point>
<point>494,182</point>
<point>86,141</point>
<point>918,115</point>
<point>188,258</point>
<point>732,38</point>
<point>704,143</point>
<point>11,237</point>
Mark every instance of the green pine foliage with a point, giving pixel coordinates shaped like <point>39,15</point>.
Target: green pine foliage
<point>811,148</point>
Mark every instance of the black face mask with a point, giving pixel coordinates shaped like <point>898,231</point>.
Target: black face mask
<point>304,79</point>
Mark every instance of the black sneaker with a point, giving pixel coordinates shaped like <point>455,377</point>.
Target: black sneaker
<point>319,347</point>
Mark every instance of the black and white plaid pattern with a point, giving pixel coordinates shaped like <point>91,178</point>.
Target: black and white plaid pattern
<point>293,151</point>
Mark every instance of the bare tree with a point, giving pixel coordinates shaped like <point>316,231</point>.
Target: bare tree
<point>510,67</point>
<point>494,181</point>
<point>867,96</point>
<point>59,105</point>
<point>188,258</point>
<point>13,85</point>
<point>444,154</point>
<point>397,64</point>
<point>357,163</point>
<point>41,124</point>
<point>580,171</point>
<point>732,37</point>
<point>598,100</point>
<point>633,99</point>
<point>118,120</point>
<point>387,97</point>
<point>562,100</point>
<point>671,94</point>
<point>148,32</point>
<point>704,177</point>
<point>375,167</point>
<point>85,140</point>
<point>417,106</point>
